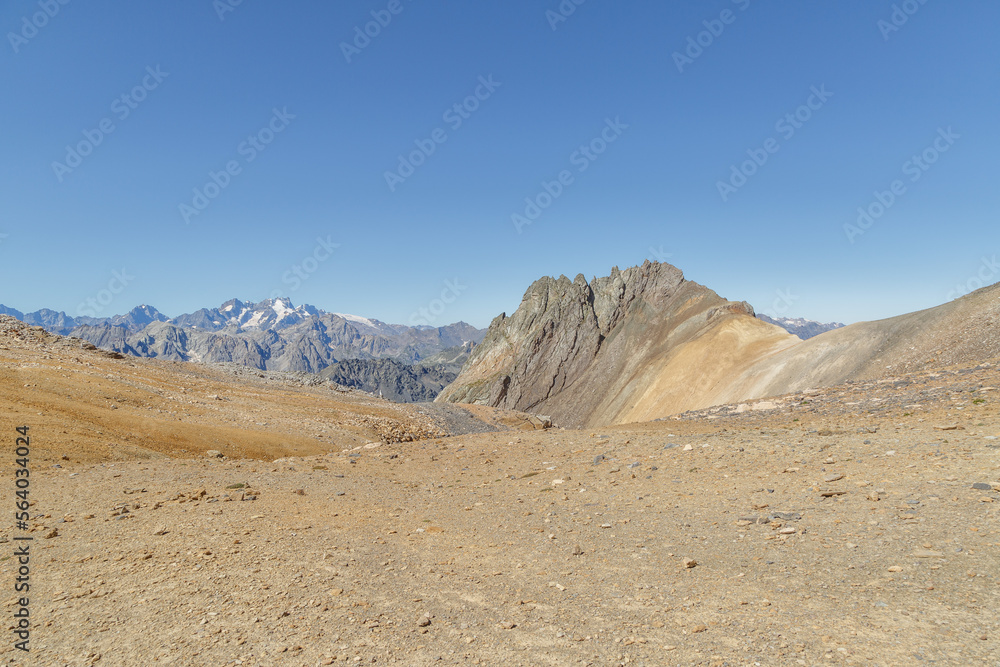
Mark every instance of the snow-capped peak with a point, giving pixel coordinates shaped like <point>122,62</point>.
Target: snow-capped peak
<point>281,309</point>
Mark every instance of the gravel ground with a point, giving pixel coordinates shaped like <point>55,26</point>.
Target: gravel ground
<point>856,525</point>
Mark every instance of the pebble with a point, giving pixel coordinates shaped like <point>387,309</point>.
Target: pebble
<point>927,553</point>
<point>982,486</point>
<point>833,477</point>
<point>690,562</point>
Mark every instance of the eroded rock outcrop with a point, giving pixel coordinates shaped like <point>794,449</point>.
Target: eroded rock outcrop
<point>589,353</point>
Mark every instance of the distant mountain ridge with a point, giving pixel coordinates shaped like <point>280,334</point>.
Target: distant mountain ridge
<point>803,328</point>
<point>269,335</point>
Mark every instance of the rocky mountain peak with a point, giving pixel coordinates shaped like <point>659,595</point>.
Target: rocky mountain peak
<point>576,334</point>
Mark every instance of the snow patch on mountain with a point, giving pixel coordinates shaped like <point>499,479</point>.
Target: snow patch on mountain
<point>356,319</point>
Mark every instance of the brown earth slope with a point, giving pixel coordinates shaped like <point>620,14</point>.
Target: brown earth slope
<point>852,526</point>
<point>98,406</point>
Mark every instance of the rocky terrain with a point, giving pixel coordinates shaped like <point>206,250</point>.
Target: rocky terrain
<point>103,405</point>
<point>402,383</point>
<point>645,343</point>
<point>391,379</point>
<point>853,525</point>
<point>586,353</point>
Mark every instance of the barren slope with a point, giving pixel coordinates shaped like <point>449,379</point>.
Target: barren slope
<point>98,406</point>
<point>836,528</point>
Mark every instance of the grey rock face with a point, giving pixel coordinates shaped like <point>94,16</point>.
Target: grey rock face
<point>558,333</point>
<point>391,379</point>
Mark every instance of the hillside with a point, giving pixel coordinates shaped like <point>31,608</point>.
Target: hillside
<point>585,353</point>
<point>97,405</point>
<point>850,526</point>
<point>645,343</point>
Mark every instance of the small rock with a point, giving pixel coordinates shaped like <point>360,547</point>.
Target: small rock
<point>336,592</point>
<point>423,622</point>
<point>507,625</point>
<point>895,568</point>
<point>833,477</point>
<point>688,448</point>
<point>699,628</point>
<point>214,454</point>
<point>299,492</point>
<point>982,486</point>
<point>577,551</point>
<point>52,533</point>
<point>948,427</point>
<point>690,562</point>
<point>927,553</point>
<point>788,530</point>
<point>160,530</point>
<point>598,459</point>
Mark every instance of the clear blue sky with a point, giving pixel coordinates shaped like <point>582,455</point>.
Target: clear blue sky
<point>654,190</point>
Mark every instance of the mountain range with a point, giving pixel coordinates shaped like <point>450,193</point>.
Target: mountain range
<point>398,361</point>
<point>803,328</point>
